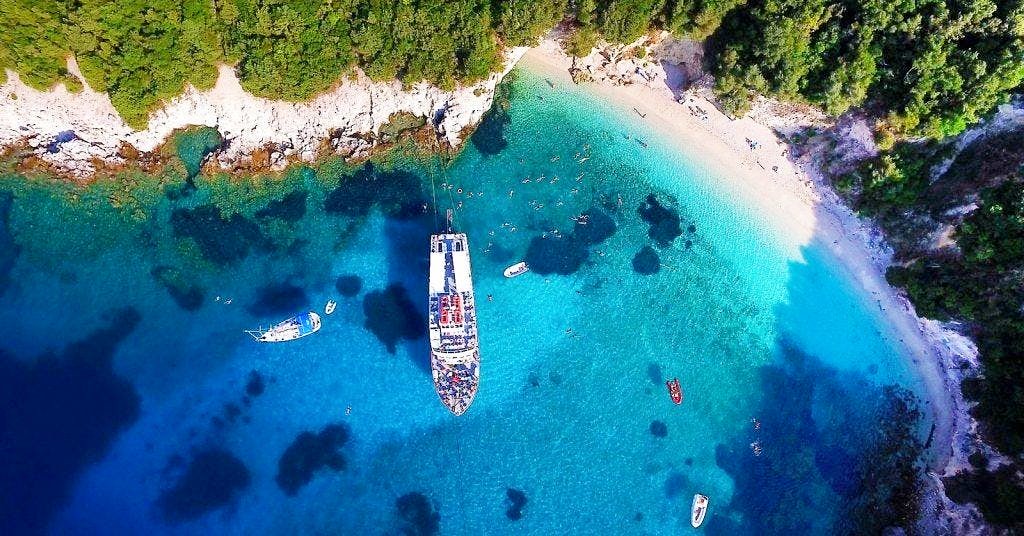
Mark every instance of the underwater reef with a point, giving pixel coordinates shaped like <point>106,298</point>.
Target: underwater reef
<point>310,453</point>
<point>515,500</point>
<point>392,316</point>
<point>212,480</point>
<point>59,413</point>
<point>417,515</point>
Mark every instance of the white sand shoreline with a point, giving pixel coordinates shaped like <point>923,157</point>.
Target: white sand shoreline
<point>804,209</point>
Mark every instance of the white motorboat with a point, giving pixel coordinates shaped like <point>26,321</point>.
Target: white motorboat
<point>331,305</point>
<point>518,268</point>
<point>699,510</point>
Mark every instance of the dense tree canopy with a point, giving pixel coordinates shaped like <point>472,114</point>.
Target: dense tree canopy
<point>979,282</point>
<point>935,66</point>
<point>930,67</point>
<point>142,52</point>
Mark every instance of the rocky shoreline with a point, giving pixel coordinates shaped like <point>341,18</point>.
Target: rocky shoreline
<point>80,134</point>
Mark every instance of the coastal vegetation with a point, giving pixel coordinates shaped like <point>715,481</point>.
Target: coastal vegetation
<point>974,277</point>
<point>926,68</point>
<point>144,52</point>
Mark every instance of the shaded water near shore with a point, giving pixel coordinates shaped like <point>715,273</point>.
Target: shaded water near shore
<point>136,404</point>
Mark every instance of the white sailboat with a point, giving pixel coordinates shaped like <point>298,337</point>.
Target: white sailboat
<point>294,328</point>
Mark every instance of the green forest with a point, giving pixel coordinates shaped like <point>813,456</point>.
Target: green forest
<point>978,282</point>
<point>927,67</point>
<point>923,70</point>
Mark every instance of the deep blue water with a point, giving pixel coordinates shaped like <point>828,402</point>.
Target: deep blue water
<point>135,403</point>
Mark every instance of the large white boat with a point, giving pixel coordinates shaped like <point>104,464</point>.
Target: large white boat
<point>294,328</point>
<point>454,348</point>
<point>699,510</point>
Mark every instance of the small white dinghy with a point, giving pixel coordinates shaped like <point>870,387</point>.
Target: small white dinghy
<point>699,510</point>
<point>518,268</point>
<point>329,308</point>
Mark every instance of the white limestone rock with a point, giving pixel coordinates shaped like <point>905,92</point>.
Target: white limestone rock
<point>357,106</point>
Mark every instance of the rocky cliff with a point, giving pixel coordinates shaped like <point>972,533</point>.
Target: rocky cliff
<point>77,133</point>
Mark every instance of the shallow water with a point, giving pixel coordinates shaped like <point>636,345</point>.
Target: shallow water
<point>130,377</point>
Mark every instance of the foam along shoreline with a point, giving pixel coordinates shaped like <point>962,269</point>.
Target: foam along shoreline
<point>342,117</point>
<point>795,200</point>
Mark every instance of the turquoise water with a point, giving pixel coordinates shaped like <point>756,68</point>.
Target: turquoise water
<point>139,405</point>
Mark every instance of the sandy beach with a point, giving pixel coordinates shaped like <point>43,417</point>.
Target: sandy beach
<point>792,198</point>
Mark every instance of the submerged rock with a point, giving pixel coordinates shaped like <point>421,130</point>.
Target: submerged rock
<point>392,316</point>
<point>9,250</point>
<point>58,414</point>
<point>515,500</point>
<point>212,480</point>
<point>354,196</point>
<point>599,227</point>
<point>655,374</point>
<point>348,285</point>
<point>418,516</point>
<point>646,261</point>
<point>188,296</point>
<point>279,299</point>
<point>398,193</point>
<point>489,136</point>
<point>677,484</point>
<point>291,207</point>
<point>221,240</point>
<point>664,223</point>
<point>659,429</point>
<point>195,145</point>
<point>310,453</point>
<point>255,385</point>
<point>562,255</point>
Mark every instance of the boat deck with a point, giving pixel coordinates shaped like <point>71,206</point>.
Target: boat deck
<point>454,356</point>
